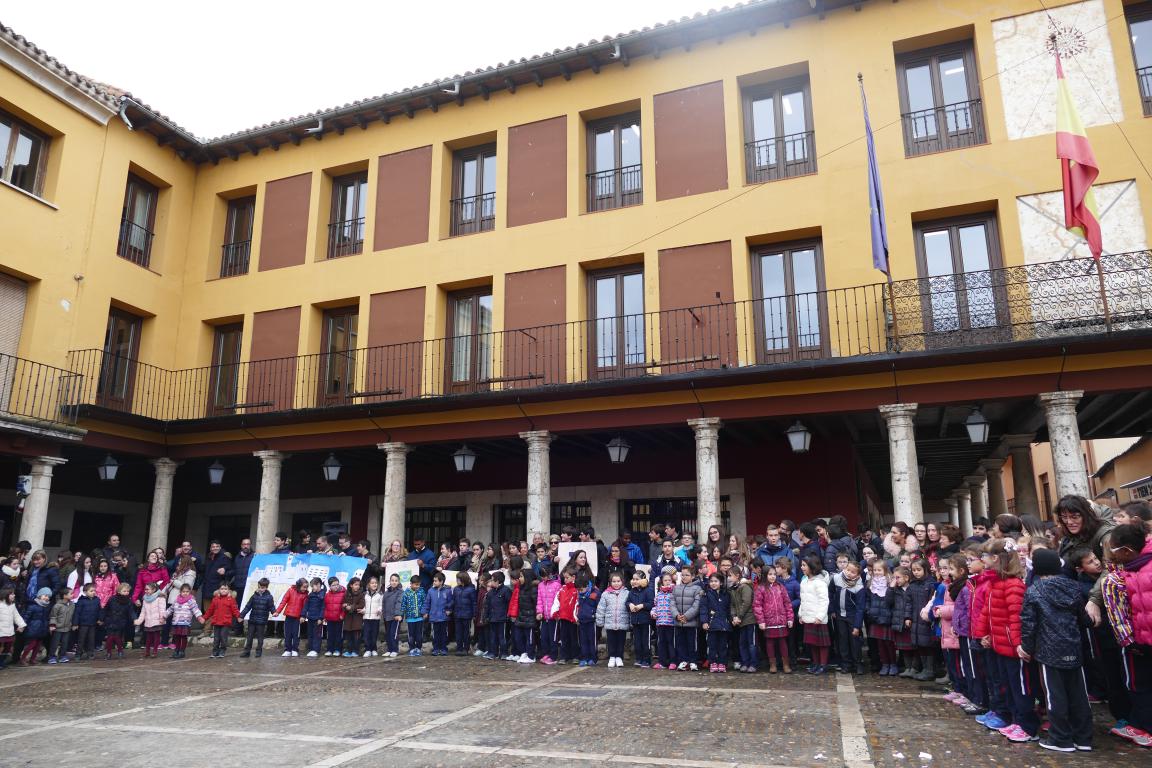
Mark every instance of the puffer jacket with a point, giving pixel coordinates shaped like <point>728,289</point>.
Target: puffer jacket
<point>566,606</point>
<point>844,545</point>
<point>392,603</point>
<point>814,599</point>
<point>587,604</point>
<point>106,587</point>
<point>292,603</point>
<point>10,619</point>
<point>612,611</point>
<point>222,611</point>
<point>1000,618</point>
<point>1139,585</point>
<point>961,617</point>
<point>353,605</point>
<point>901,607</point>
<point>716,610</point>
<point>153,612</point>
<point>154,574</point>
<point>878,608</point>
<point>741,599</point>
<point>61,615</point>
<point>464,603</point>
<point>36,614</point>
<point>686,600</point>
<point>414,604</point>
<point>920,593</point>
<point>373,605</point>
<point>496,604</point>
<point>662,611</point>
<point>314,605</point>
<point>179,580</point>
<point>334,604</point>
<point>183,613</point>
<point>642,597</point>
<point>1050,622</point>
<point>771,605</point>
<point>949,638</point>
<point>87,612</point>
<point>439,606</point>
<point>546,593</point>
<point>118,615</point>
<point>526,603</point>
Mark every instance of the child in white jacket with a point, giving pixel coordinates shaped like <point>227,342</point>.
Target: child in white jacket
<point>373,612</point>
<point>11,622</point>
<point>814,612</point>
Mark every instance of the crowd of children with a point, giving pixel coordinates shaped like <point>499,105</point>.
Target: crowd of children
<point>1010,619</point>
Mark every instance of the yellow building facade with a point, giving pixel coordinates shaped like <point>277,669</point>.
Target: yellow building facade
<point>603,240</point>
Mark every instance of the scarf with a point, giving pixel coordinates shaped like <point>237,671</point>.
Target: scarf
<point>151,598</point>
<point>613,589</point>
<point>1131,566</point>
<point>878,586</point>
<point>182,599</point>
<point>11,572</point>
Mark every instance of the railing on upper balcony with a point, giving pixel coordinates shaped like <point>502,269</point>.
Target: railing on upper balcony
<point>1144,75</point>
<point>780,157</point>
<point>34,392</point>
<point>615,188</point>
<point>135,243</point>
<point>234,258</point>
<point>472,214</point>
<point>1034,301</point>
<point>345,238</point>
<point>952,126</point>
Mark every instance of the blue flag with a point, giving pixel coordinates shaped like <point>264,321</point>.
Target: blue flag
<point>875,195</point>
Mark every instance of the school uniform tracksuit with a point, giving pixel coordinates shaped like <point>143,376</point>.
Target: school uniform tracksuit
<point>463,612</point>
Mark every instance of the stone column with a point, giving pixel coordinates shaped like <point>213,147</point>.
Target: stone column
<point>951,504</point>
<point>994,476</point>
<point>707,474</point>
<point>539,515</point>
<point>907,506</point>
<point>1023,475</point>
<point>395,494</point>
<point>161,502</point>
<point>34,519</point>
<point>268,512</point>
<point>1064,440</point>
<point>964,510</point>
<point>979,503</point>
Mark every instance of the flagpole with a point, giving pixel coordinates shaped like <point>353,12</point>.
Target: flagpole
<point>895,323</point>
<point>1103,297</point>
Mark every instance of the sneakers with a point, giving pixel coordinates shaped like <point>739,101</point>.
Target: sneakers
<point>1132,733</point>
<point>693,667</point>
<point>583,662</point>
<point>952,696</point>
<point>547,661</point>
<point>1083,747</point>
<point>313,654</point>
<point>739,666</point>
<point>1048,744</point>
<point>974,709</point>
<point>991,722</point>
<point>413,652</point>
<point>683,666</point>
<point>750,670</point>
<point>479,652</point>
<point>961,701</point>
<point>658,665</point>
<point>713,667</point>
<point>1017,734</point>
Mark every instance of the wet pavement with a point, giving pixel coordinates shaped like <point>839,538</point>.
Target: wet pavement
<point>464,712</point>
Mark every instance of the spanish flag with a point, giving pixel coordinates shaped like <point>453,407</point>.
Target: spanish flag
<point>1078,165</point>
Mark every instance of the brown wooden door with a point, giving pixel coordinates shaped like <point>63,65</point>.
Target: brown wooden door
<point>616,344</point>
<point>337,362</point>
<point>118,367</point>
<point>469,344</point>
<point>224,376</point>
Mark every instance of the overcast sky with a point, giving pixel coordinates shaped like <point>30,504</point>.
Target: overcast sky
<point>218,67</point>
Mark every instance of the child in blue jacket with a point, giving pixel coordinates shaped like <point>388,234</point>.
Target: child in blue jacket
<point>587,601</point>
<point>413,607</point>
<point>439,612</point>
<point>463,611</point>
<point>496,602</point>
<point>313,613</point>
<point>715,619</point>
<point>640,599</point>
<point>86,616</point>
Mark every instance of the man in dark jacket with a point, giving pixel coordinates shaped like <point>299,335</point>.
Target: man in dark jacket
<point>40,574</point>
<point>241,564</point>
<point>427,562</point>
<point>218,569</point>
<point>281,544</point>
<point>1050,622</point>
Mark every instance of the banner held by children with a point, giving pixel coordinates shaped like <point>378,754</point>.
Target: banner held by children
<point>282,571</point>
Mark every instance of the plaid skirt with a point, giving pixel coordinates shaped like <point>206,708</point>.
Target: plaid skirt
<point>904,641</point>
<point>881,632</point>
<point>817,635</point>
<point>774,632</point>
<point>179,630</point>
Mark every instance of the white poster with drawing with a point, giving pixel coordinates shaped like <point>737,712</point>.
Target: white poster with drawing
<point>405,569</point>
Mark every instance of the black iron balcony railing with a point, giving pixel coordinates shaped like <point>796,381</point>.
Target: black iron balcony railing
<point>780,157</point>
<point>1144,75</point>
<point>995,307</point>
<point>234,258</point>
<point>953,126</point>
<point>135,243</point>
<point>615,188</point>
<point>473,214</point>
<point>32,393</point>
<point>345,238</point>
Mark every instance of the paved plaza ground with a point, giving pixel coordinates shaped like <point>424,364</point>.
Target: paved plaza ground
<point>417,712</point>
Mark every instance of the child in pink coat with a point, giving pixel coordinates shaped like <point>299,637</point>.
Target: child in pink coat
<point>773,609</point>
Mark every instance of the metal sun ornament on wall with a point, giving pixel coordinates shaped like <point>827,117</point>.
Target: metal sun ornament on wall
<point>1065,40</point>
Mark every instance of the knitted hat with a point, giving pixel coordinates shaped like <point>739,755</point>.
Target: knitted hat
<point>669,569</point>
<point>1045,562</point>
<point>44,592</point>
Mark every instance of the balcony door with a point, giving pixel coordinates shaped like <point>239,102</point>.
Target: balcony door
<point>224,381</point>
<point>960,291</point>
<point>338,359</point>
<point>779,141</point>
<point>118,366</point>
<point>615,178</point>
<point>137,221</point>
<point>940,100</point>
<point>469,340</point>
<point>790,316</point>
<point>617,347</point>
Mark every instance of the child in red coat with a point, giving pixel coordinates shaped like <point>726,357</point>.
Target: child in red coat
<point>222,611</point>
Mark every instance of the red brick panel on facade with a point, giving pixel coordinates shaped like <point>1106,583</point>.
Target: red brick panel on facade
<point>538,171</point>
<point>394,360</point>
<point>403,195</point>
<point>535,341</point>
<point>691,152</point>
<point>272,373</point>
<point>695,331</point>
<point>284,236</point>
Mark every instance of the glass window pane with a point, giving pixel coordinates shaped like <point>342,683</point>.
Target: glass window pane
<point>633,294</point>
<point>468,177</point>
<point>773,290</point>
<point>361,194</point>
<point>974,248</point>
<point>630,144</point>
<point>462,342</point>
<point>918,80</point>
<point>941,285</point>
<point>1142,42</point>
<point>953,80</point>
<point>938,253</point>
<point>763,118</point>
<point>804,271</point>
<point>975,259</point>
<point>772,275</point>
<point>794,115</point>
<point>5,139</point>
<point>604,146</point>
<point>807,299</point>
<point>633,319</point>
<point>26,161</point>
<point>488,163</point>
<point>606,323</point>
<point>484,343</point>
<point>606,297</point>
